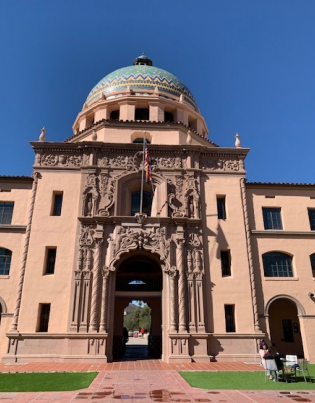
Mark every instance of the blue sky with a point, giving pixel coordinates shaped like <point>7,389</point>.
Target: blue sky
<point>250,65</point>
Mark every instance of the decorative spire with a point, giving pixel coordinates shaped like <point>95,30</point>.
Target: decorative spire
<point>237,141</point>
<point>42,134</point>
<point>143,60</point>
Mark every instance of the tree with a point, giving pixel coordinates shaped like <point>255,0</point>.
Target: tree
<point>140,317</point>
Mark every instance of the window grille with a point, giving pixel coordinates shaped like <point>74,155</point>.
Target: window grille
<point>272,218</point>
<point>6,212</point>
<point>277,264</point>
<point>5,261</point>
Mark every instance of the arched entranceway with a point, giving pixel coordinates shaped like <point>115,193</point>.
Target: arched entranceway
<point>138,277</point>
<point>284,326</point>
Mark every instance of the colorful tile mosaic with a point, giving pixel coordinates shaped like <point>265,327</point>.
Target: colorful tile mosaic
<point>141,78</point>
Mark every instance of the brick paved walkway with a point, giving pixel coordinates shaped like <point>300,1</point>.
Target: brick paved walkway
<point>147,381</point>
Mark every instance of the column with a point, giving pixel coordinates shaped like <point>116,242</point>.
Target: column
<point>86,292</point>
<point>191,293</point>
<point>77,293</point>
<point>172,272</point>
<point>95,285</point>
<point>199,292</point>
<point>181,286</point>
<point>103,325</point>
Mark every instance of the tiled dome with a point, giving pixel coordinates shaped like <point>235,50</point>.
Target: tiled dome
<point>141,78</point>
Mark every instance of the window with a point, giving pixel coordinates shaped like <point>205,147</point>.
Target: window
<point>277,264</point>
<point>57,204</point>
<point>142,114</point>
<point>225,263</point>
<point>287,328</point>
<point>50,260</point>
<point>146,203</point>
<point>229,318</point>
<point>311,216</point>
<point>221,207</point>
<point>139,140</point>
<point>43,318</point>
<point>312,259</point>
<point>5,261</point>
<point>168,117</point>
<point>114,115</point>
<point>272,217</point>
<point>6,211</point>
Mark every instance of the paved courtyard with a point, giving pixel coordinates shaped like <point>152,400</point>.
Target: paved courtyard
<point>139,380</point>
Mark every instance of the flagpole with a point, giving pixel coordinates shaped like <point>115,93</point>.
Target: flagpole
<point>142,174</point>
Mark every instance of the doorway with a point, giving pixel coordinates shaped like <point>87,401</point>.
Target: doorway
<point>285,327</point>
<point>139,282</point>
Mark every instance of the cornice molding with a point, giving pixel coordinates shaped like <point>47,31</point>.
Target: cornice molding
<point>281,233</point>
<point>13,228</point>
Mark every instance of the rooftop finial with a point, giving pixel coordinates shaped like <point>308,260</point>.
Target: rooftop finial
<point>143,60</point>
<point>42,134</point>
<point>237,141</point>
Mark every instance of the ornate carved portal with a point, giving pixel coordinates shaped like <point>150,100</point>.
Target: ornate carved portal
<point>170,266</point>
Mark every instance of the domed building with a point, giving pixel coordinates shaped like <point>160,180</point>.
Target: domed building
<point>139,205</point>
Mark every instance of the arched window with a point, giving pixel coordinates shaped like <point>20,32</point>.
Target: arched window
<point>312,259</point>
<point>5,261</point>
<point>277,264</point>
<point>146,203</point>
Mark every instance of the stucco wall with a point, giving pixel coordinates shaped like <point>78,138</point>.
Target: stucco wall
<point>51,231</point>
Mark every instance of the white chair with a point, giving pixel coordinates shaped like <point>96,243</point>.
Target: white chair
<point>291,362</point>
<point>271,367</point>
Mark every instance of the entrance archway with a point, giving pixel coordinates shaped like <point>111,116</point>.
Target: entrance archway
<point>138,277</point>
<point>284,325</point>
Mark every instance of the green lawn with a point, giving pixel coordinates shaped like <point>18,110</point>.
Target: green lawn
<point>45,382</point>
<point>243,381</point>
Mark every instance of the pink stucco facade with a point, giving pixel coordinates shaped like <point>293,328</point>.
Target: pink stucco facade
<point>217,277</point>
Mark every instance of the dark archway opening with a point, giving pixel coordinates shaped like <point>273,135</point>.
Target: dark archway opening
<point>284,324</point>
<point>138,281</point>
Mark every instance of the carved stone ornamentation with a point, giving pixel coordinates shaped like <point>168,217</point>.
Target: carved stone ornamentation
<point>90,196</point>
<point>174,196</point>
<point>140,217</point>
<point>128,239</point>
<point>167,162</point>
<point>192,198</point>
<point>60,160</point>
<point>86,238</point>
<point>107,191</point>
<point>221,164</point>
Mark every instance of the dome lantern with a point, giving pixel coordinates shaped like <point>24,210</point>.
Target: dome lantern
<point>142,60</point>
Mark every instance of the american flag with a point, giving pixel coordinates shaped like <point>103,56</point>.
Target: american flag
<point>147,167</point>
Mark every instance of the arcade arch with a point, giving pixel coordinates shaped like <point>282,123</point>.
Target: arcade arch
<point>284,324</point>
